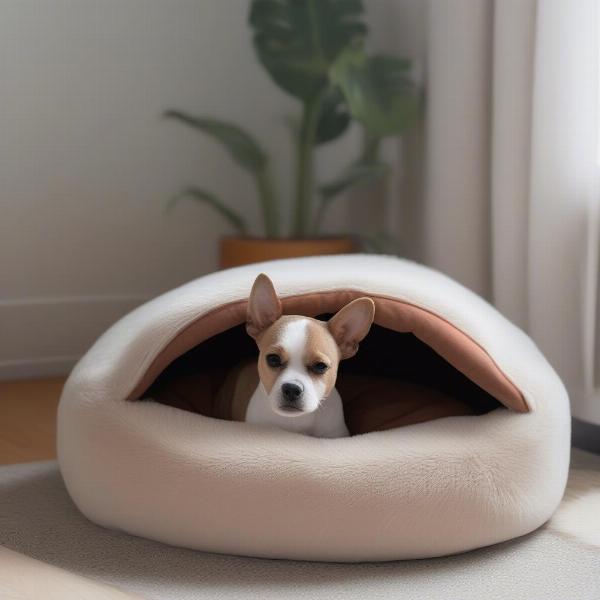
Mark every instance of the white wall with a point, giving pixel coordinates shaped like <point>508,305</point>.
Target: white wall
<point>86,162</point>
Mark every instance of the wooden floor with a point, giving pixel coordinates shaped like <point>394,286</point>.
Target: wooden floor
<point>28,419</point>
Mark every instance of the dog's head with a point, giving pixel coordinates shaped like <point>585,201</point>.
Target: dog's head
<point>299,356</point>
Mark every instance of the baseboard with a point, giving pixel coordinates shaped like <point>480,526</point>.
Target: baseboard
<point>586,436</point>
<point>43,337</point>
<point>31,368</point>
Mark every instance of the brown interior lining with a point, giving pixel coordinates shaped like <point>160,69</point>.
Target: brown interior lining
<point>457,348</point>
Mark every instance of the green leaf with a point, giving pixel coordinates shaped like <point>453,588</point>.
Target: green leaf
<point>234,218</point>
<point>356,174</point>
<point>334,117</point>
<point>244,149</point>
<point>297,41</point>
<point>379,91</point>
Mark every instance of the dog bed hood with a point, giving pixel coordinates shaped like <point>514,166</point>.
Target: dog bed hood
<point>439,487</point>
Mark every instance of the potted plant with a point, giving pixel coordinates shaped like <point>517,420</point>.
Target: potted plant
<point>314,50</point>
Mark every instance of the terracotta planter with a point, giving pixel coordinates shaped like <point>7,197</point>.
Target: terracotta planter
<point>236,251</point>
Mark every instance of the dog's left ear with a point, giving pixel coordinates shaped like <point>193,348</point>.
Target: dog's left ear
<point>351,324</point>
<point>264,306</point>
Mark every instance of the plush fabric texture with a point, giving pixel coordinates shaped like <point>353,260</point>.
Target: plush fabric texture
<point>38,519</point>
<point>23,578</point>
<point>429,489</point>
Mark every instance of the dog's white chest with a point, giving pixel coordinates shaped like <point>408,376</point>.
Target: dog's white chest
<point>327,421</point>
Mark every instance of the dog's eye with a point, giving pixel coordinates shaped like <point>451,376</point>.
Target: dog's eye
<point>319,368</point>
<point>273,360</point>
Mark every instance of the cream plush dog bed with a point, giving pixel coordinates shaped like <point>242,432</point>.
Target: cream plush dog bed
<point>161,470</point>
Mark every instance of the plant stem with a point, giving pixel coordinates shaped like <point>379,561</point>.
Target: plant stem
<point>268,204</point>
<point>304,168</point>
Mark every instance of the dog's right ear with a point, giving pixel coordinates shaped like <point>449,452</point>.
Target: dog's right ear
<point>264,306</point>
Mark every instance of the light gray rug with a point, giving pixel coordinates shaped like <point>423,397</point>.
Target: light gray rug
<point>559,561</point>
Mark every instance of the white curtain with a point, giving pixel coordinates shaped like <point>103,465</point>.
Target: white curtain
<point>510,206</point>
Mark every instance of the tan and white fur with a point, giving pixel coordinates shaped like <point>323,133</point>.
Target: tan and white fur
<point>298,362</point>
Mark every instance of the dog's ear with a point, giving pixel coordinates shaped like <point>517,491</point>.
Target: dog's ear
<point>264,306</point>
<point>351,324</point>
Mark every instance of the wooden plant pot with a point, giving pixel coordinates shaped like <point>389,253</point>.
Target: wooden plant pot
<point>236,251</point>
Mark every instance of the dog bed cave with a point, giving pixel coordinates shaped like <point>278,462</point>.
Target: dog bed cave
<point>460,428</point>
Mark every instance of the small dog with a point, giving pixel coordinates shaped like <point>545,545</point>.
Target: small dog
<point>298,362</point>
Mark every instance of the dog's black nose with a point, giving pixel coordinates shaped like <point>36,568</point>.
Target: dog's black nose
<point>291,391</point>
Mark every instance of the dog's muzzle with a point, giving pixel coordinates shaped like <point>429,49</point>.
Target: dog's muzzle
<point>291,397</point>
